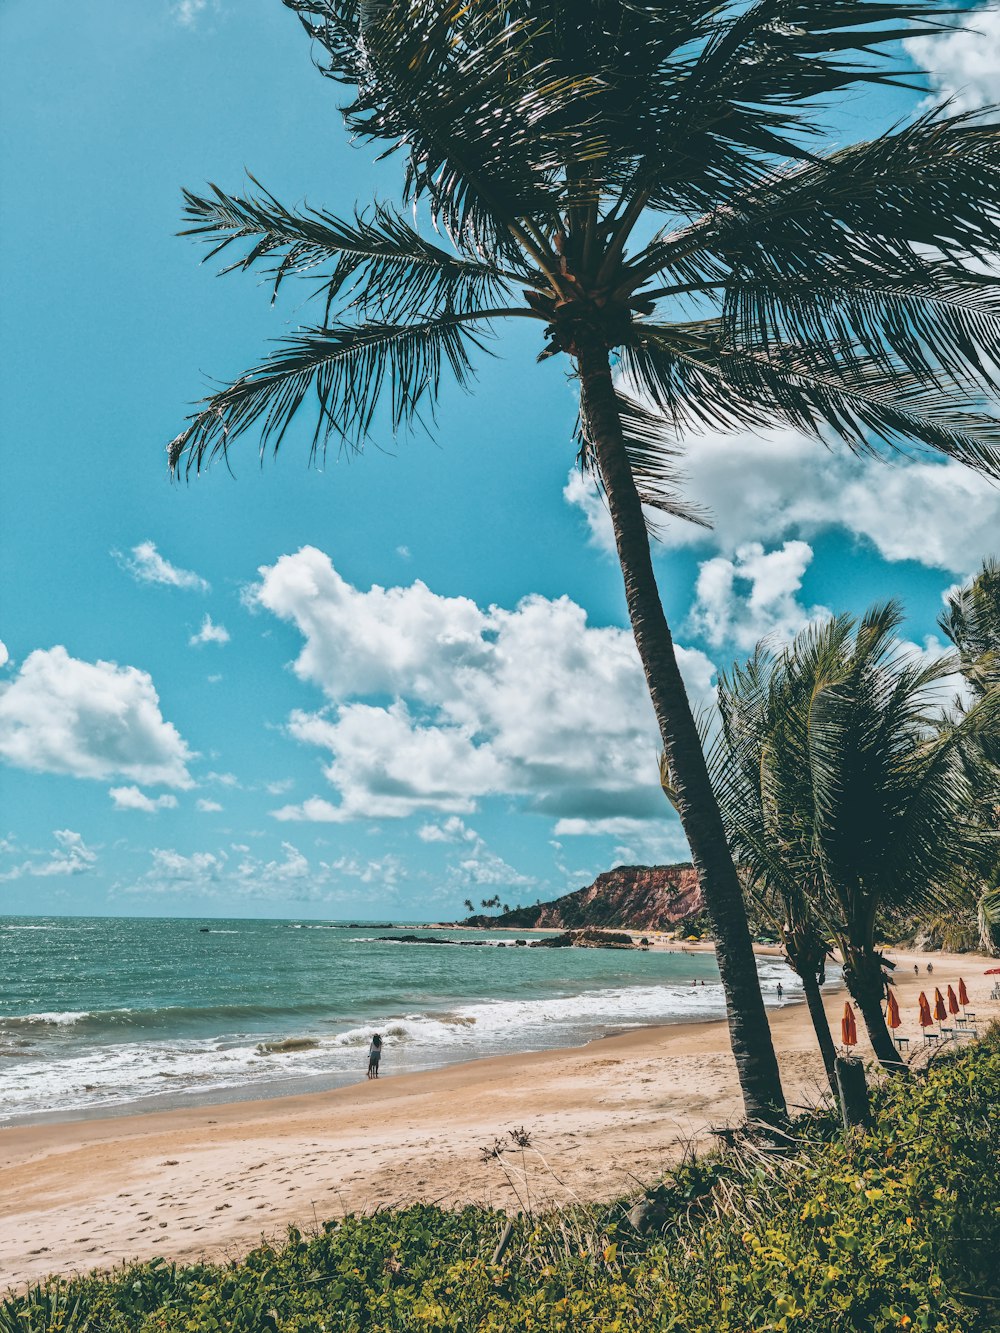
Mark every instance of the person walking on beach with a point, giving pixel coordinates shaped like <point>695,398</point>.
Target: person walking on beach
<point>781,990</point>
<point>374,1056</point>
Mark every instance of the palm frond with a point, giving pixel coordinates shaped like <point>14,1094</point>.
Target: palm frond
<point>749,94</point>
<point>695,376</point>
<point>930,186</point>
<point>943,328</point>
<point>971,621</point>
<point>348,371</point>
<point>485,121</point>
<point>380,263</point>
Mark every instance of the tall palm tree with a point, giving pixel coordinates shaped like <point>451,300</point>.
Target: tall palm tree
<point>643,178</point>
<point>836,781</point>
<point>760,797</point>
<point>971,620</point>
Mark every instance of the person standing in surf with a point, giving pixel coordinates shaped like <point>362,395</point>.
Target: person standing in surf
<point>374,1056</point>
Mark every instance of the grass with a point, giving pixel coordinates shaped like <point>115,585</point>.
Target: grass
<point>897,1229</point>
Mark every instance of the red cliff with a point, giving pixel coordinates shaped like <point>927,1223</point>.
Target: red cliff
<point>632,898</point>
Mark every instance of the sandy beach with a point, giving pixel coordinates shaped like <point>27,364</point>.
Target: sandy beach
<point>211,1181</point>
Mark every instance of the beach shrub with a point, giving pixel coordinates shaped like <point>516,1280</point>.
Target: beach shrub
<point>894,1230</point>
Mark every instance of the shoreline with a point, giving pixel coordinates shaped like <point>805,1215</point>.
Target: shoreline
<point>278,1083</point>
<point>212,1181</point>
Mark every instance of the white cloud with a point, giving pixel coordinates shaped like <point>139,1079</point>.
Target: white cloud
<point>146,565</point>
<point>198,868</point>
<point>531,702</point>
<point>70,856</point>
<point>289,876</point>
<point>209,633</point>
<point>4,654</point>
<point>963,65</point>
<point>451,830</point>
<point>208,807</point>
<point>741,600</point>
<point>131,798</point>
<point>404,552</point>
<point>777,484</point>
<point>187,12</point>
<point>89,720</point>
<point>639,841</point>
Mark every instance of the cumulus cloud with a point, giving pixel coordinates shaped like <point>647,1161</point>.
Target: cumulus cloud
<point>132,798</point>
<point>208,807</point>
<point>70,856</point>
<point>290,875</point>
<point>450,830</point>
<point>637,841</point>
<point>209,633</point>
<point>532,702</point>
<point>4,654</point>
<point>89,720</point>
<point>963,65</point>
<point>146,565</point>
<point>777,484</point>
<point>741,600</point>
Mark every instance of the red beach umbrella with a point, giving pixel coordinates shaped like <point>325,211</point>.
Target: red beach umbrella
<point>940,1012</point>
<point>892,1011</point>
<point>963,994</point>
<point>926,1020</point>
<point>952,1001</point>
<point>848,1027</point>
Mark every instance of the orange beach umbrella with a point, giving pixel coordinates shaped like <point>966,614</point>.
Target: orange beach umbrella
<point>940,1012</point>
<point>848,1027</point>
<point>963,994</point>
<point>925,1011</point>
<point>892,1011</point>
<point>952,1001</point>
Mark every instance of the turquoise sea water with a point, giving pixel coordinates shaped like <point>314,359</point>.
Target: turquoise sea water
<point>105,1015</point>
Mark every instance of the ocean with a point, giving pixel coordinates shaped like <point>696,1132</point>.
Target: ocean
<point>104,1016</point>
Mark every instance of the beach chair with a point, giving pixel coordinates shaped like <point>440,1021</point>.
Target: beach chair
<point>901,1042</point>
<point>947,1034</point>
<point>930,1038</point>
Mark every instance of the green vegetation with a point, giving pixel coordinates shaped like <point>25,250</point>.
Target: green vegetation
<point>845,795</point>
<point>846,1233</point>
<point>971,621</point>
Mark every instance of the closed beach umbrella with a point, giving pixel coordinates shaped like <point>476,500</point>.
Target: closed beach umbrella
<point>952,1001</point>
<point>940,1012</point>
<point>848,1027</point>
<point>926,1020</point>
<point>963,994</point>
<point>892,1011</point>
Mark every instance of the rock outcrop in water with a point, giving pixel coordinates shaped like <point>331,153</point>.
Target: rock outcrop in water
<point>635,898</point>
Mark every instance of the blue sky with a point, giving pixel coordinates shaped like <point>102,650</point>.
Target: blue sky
<point>381,686</point>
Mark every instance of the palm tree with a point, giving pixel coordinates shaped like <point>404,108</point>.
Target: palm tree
<point>745,761</point>
<point>971,620</point>
<point>645,180</point>
<point>842,792</point>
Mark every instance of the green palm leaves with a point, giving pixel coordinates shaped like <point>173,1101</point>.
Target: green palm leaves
<point>843,293</point>
<point>842,795</point>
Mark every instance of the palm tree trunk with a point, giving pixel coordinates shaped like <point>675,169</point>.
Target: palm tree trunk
<point>863,975</point>
<point>748,1027</point>
<point>817,1012</point>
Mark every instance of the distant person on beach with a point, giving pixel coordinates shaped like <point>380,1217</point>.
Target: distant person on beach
<point>781,990</point>
<point>930,967</point>
<point>916,969</point>
<point>374,1056</point>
